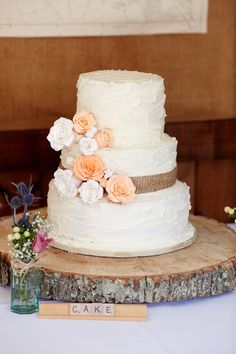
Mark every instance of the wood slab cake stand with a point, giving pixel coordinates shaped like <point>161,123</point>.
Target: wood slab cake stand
<point>207,267</point>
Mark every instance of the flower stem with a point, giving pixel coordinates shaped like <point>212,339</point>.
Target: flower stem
<point>14,216</point>
<point>25,211</point>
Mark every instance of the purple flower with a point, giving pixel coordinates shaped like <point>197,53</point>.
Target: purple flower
<point>41,241</point>
<point>15,202</point>
<point>22,189</point>
<point>23,198</point>
<point>27,199</point>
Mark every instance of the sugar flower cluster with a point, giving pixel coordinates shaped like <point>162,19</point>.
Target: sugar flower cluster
<point>88,176</point>
<point>82,129</point>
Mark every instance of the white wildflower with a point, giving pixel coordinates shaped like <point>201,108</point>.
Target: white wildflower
<point>16,236</point>
<point>231,211</point>
<point>226,209</point>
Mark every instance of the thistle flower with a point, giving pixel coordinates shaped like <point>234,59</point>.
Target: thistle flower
<point>22,189</point>
<point>28,199</point>
<point>23,198</point>
<point>15,202</point>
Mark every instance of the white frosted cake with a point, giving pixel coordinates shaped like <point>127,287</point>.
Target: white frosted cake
<point>115,192</point>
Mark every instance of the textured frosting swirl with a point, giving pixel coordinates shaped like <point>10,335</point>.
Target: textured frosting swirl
<point>158,218</point>
<point>131,104</point>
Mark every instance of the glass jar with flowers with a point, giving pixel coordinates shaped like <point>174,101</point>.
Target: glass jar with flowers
<point>28,240</point>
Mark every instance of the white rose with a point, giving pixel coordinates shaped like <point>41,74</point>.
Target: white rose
<point>108,173</point>
<point>91,132</point>
<point>88,146</point>
<point>61,134</point>
<point>68,154</point>
<point>90,191</point>
<point>69,162</point>
<point>66,184</point>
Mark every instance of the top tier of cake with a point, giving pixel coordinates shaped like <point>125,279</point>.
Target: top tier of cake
<point>130,103</point>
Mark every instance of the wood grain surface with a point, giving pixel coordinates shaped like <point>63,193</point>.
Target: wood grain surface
<point>207,267</point>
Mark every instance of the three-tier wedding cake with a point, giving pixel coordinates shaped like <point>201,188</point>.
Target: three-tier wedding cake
<point>115,192</point>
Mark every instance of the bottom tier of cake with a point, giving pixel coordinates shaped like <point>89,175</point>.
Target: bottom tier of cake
<point>154,223</point>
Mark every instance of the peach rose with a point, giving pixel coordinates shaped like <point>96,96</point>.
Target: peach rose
<point>83,122</point>
<point>103,182</point>
<point>120,189</point>
<point>88,167</point>
<point>104,138</point>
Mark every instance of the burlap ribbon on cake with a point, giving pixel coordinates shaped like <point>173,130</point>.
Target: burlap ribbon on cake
<point>153,183</point>
<point>148,184</point>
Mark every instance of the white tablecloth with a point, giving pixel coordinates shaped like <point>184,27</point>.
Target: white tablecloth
<point>201,326</point>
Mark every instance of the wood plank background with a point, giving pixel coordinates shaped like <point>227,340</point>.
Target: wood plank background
<point>38,75</point>
<point>37,86</point>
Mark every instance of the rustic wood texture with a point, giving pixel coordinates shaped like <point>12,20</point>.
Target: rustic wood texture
<point>208,140</point>
<point>38,75</point>
<point>205,268</point>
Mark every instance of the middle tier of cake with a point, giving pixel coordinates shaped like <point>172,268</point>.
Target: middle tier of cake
<point>132,162</point>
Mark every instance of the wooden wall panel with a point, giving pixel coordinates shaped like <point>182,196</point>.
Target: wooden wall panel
<point>38,75</point>
<point>204,140</point>
<point>215,183</point>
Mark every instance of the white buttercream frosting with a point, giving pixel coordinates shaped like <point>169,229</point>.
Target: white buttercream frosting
<point>158,219</point>
<point>131,104</point>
